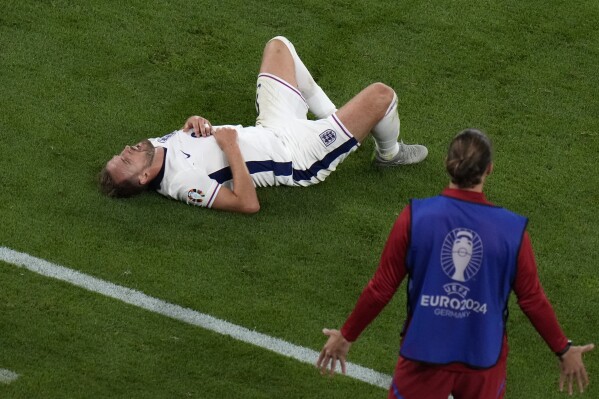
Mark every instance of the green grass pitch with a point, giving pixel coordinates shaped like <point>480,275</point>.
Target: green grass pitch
<point>79,80</point>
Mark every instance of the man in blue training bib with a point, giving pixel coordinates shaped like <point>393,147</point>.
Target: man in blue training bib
<point>462,256</point>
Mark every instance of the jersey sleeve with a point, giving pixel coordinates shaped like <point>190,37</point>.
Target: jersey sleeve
<point>387,278</point>
<point>533,301</point>
<point>194,188</point>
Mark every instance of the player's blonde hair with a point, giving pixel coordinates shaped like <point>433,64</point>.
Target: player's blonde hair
<point>111,188</point>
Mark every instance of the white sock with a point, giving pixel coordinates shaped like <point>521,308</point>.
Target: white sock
<point>386,132</point>
<point>318,102</point>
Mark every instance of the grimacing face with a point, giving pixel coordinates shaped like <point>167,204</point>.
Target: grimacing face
<point>131,162</point>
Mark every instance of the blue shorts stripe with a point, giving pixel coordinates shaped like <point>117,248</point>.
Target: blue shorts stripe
<point>396,391</point>
<point>501,388</point>
<point>300,175</point>
<point>285,168</point>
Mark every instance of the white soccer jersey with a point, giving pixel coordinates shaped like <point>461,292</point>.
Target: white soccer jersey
<point>195,167</point>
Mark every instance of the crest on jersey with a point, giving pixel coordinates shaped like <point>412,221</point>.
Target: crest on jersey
<point>195,196</point>
<point>461,254</point>
<point>328,137</point>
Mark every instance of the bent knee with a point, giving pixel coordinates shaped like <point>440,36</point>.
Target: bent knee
<point>382,91</point>
<point>277,44</point>
<point>381,95</point>
<point>277,59</point>
<point>280,39</point>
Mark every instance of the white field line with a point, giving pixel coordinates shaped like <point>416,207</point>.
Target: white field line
<point>186,315</point>
<point>7,376</point>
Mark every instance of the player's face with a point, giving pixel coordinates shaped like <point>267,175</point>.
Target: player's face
<point>131,162</point>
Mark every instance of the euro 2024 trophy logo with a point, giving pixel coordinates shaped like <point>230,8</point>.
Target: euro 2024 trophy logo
<point>461,258</point>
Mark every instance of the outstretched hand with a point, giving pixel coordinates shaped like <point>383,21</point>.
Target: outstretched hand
<point>200,126</point>
<point>335,350</point>
<point>572,368</point>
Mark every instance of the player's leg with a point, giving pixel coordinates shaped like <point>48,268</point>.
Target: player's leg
<point>363,112</point>
<point>277,96</point>
<point>374,110</point>
<point>277,60</point>
<point>274,52</point>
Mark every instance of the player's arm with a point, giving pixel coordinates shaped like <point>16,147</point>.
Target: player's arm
<point>533,301</point>
<point>536,306</point>
<point>242,198</point>
<point>374,297</point>
<point>200,126</point>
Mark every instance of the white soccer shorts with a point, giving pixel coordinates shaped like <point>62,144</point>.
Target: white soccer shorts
<point>316,147</point>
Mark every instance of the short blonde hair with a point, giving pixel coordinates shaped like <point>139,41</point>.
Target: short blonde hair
<point>111,188</point>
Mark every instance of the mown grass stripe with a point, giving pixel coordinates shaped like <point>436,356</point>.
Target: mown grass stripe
<point>186,315</point>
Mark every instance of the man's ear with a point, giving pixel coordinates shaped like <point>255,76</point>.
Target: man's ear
<point>144,177</point>
<point>489,169</point>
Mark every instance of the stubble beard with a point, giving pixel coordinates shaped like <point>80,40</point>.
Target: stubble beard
<point>149,150</point>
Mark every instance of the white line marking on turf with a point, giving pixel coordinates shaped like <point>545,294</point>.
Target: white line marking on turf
<point>7,376</point>
<point>186,315</point>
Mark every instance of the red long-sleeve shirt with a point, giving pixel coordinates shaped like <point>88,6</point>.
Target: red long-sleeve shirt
<point>392,270</point>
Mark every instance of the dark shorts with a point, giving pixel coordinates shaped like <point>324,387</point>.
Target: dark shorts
<point>413,380</point>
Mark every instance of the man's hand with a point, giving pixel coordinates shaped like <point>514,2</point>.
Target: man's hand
<point>200,126</point>
<point>334,350</point>
<point>226,138</point>
<point>572,367</point>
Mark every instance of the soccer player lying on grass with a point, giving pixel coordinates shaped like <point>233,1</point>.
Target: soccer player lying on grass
<point>462,256</point>
<point>220,166</point>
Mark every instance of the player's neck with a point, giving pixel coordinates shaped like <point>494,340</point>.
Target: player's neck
<point>477,189</point>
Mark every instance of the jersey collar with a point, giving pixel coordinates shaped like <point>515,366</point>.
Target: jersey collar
<point>465,195</point>
<point>155,183</point>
